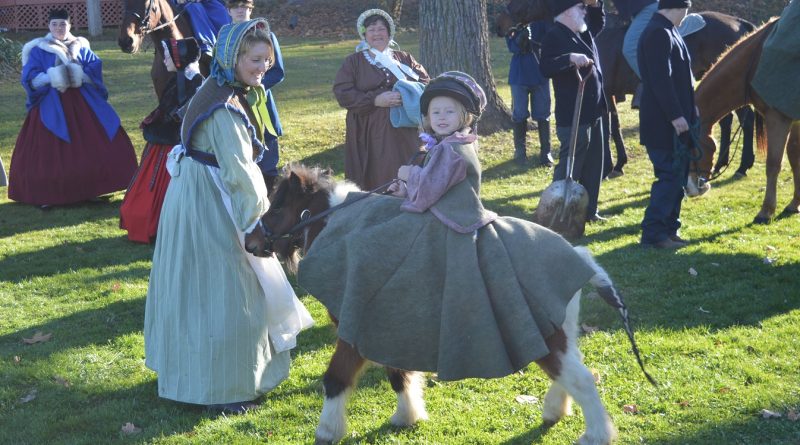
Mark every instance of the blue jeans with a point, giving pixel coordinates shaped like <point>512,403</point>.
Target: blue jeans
<point>539,102</point>
<point>662,216</point>
<point>588,166</point>
<point>630,45</point>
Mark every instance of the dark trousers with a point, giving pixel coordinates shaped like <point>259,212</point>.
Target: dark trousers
<point>662,216</point>
<point>588,168</point>
<point>269,163</point>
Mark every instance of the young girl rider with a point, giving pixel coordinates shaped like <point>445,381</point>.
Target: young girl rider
<point>433,281</point>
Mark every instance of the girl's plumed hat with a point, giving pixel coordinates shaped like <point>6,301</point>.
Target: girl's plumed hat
<point>459,86</point>
<point>362,30</point>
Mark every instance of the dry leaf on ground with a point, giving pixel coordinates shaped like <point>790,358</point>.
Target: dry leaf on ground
<point>589,329</point>
<point>16,360</point>
<point>683,403</point>
<point>630,409</point>
<point>130,428</point>
<point>793,415</point>
<point>596,375</point>
<point>38,337</point>
<point>525,399</point>
<point>692,272</point>
<point>116,287</point>
<point>61,381</point>
<point>767,414</point>
<point>30,396</point>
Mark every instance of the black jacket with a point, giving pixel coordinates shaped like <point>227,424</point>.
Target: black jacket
<point>668,82</point>
<point>557,45</point>
<point>163,125</point>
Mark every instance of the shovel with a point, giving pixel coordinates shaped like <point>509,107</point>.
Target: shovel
<point>562,206</point>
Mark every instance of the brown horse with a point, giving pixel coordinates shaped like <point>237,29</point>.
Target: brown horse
<point>157,19</point>
<point>296,216</point>
<point>705,46</point>
<point>726,87</point>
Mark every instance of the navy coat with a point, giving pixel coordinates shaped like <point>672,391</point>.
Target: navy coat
<point>668,82</point>
<point>525,45</point>
<point>557,45</point>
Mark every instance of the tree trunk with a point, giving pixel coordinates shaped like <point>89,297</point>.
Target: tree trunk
<point>94,17</point>
<point>454,36</point>
<point>395,8</point>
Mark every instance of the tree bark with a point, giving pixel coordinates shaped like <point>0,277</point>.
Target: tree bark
<point>395,9</point>
<point>94,17</point>
<point>454,36</point>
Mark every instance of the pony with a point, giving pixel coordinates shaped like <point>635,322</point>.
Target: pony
<point>157,19</point>
<point>705,46</point>
<point>298,208</point>
<point>726,87</point>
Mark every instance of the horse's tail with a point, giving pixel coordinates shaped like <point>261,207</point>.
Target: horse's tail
<point>761,135</point>
<point>605,288</point>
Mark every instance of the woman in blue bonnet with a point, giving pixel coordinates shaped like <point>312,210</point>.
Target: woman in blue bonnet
<point>220,317</point>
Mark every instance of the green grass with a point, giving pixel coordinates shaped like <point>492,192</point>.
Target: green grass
<point>723,344</point>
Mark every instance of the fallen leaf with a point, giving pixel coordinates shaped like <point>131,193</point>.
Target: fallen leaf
<point>116,287</point>
<point>38,337</point>
<point>79,249</point>
<point>16,360</point>
<point>700,308</point>
<point>589,329</point>
<point>771,249</point>
<point>768,261</point>
<point>767,414</point>
<point>61,381</point>
<point>793,415</point>
<point>715,264</point>
<point>130,428</point>
<point>692,272</point>
<point>630,409</point>
<point>683,403</point>
<point>525,399</point>
<point>724,390</point>
<point>30,396</point>
<point>596,374</point>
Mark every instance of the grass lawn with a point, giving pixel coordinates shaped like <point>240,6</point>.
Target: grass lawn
<point>722,342</point>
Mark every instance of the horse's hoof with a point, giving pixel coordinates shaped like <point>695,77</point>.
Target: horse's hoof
<point>761,220</point>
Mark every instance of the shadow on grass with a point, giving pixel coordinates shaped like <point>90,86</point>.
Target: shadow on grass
<point>23,218</point>
<point>98,253</point>
<point>332,157</point>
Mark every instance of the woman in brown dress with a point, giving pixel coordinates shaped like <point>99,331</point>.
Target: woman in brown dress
<point>374,149</point>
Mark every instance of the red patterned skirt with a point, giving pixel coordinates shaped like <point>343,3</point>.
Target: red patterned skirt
<point>46,170</point>
<point>141,207</point>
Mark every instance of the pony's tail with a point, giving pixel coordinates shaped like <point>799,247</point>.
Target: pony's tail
<point>605,288</point>
<point>761,135</point>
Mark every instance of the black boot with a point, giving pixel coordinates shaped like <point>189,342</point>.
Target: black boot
<point>520,133</point>
<point>637,97</point>
<point>545,158</point>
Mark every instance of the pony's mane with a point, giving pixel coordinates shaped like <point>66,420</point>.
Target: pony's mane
<point>744,40</point>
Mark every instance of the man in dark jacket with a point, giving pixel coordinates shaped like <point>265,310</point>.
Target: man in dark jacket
<point>667,111</point>
<point>569,47</point>
<point>529,86</point>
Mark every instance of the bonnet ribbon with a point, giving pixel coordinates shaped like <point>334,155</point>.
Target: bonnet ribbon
<point>386,60</point>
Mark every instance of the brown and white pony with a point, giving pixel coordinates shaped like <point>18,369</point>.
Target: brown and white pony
<point>725,87</point>
<point>306,192</point>
<point>154,18</point>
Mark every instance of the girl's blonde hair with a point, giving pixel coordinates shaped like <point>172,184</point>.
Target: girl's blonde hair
<point>467,118</point>
<point>254,37</point>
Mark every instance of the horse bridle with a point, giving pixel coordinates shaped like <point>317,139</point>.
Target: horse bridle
<point>145,27</point>
<point>300,230</point>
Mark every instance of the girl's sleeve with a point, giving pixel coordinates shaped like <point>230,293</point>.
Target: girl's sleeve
<point>239,173</point>
<point>426,185</point>
<point>346,92</point>
<point>93,68</point>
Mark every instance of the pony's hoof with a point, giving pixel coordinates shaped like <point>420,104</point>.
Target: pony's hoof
<point>761,220</point>
<point>789,211</point>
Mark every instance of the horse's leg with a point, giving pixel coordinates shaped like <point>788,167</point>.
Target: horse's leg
<point>723,159</point>
<point>747,120</point>
<point>408,386</point>
<point>570,377</point>
<point>793,153</point>
<point>778,127</point>
<point>339,380</point>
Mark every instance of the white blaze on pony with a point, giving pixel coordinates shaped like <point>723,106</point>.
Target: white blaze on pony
<point>311,191</point>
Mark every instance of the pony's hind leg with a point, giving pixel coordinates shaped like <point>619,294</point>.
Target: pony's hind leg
<point>408,386</point>
<point>570,377</point>
<point>793,154</point>
<point>339,380</point>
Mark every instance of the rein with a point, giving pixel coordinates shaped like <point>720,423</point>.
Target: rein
<point>306,219</point>
<point>144,20</point>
